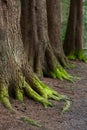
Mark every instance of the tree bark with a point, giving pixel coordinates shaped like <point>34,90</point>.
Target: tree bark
<point>54,26</point>
<point>73,38</point>
<point>29,34</point>
<point>79,25</point>
<point>44,61</point>
<point>69,42</point>
<point>16,75</point>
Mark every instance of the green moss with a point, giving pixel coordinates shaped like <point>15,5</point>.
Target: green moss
<point>33,94</point>
<point>19,89</point>
<point>19,94</point>
<point>72,57</point>
<point>61,74</point>
<point>51,94</point>
<point>4,96</point>
<point>67,106</point>
<point>42,94</point>
<point>81,56</point>
<point>30,121</point>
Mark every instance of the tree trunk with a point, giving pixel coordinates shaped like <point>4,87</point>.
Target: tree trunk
<point>16,75</point>
<point>29,34</point>
<point>45,60</point>
<point>73,38</point>
<point>79,25</point>
<point>54,26</point>
<point>69,42</point>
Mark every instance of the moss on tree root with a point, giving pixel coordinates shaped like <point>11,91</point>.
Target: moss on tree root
<point>62,74</point>
<point>4,96</point>
<point>30,121</point>
<point>81,56</point>
<point>40,93</point>
<point>78,55</point>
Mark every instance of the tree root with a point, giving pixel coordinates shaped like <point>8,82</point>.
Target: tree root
<point>81,56</point>
<point>62,74</point>
<point>78,55</point>
<point>49,93</point>
<point>40,93</point>
<point>4,97</point>
<point>30,121</point>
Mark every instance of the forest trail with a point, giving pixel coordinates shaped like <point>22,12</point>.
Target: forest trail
<point>51,118</point>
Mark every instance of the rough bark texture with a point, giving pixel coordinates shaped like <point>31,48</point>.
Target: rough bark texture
<point>42,28</point>
<point>29,34</point>
<point>44,60</point>
<point>54,26</point>
<point>69,43</point>
<point>35,34</point>
<point>16,75</point>
<point>73,39</point>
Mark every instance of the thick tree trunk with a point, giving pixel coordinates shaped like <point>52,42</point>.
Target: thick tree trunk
<point>73,39</point>
<point>54,26</point>
<point>16,75</point>
<point>42,30</point>
<point>29,34</point>
<point>44,61</point>
<point>69,42</point>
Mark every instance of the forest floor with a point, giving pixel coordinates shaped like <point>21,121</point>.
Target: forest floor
<point>51,118</point>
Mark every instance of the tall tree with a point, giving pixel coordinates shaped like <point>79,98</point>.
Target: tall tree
<point>54,29</point>
<point>47,61</point>
<point>73,38</point>
<point>16,75</point>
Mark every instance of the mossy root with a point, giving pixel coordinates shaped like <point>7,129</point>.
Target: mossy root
<point>4,97</point>
<point>66,107</point>
<point>51,94</point>
<point>42,94</point>
<point>82,56</point>
<point>30,121</point>
<point>31,93</point>
<point>62,74</point>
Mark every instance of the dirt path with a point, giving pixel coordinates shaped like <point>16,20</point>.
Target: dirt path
<point>51,118</point>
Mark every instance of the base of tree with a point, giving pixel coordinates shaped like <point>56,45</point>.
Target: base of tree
<point>78,55</point>
<point>81,56</point>
<point>40,93</point>
<point>62,74</point>
<point>71,57</point>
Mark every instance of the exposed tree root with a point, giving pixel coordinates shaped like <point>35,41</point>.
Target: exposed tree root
<point>62,74</point>
<point>39,92</point>
<point>30,121</point>
<point>66,108</point>
<point>4,96</point>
